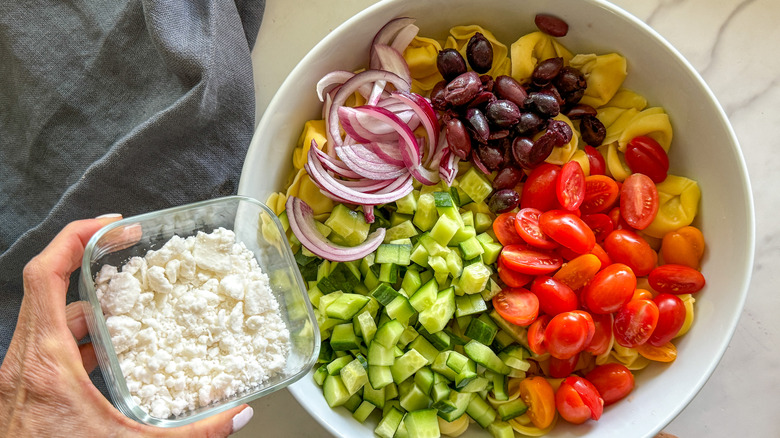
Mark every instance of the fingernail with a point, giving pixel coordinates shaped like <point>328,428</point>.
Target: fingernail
<point>242,418</point>
<point>109,216</point>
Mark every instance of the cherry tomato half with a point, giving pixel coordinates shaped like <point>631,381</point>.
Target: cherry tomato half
<point>560,368</point>
<point>645,155</point>
<point>539,189</point>
<point>601,192</point>
<point>512,278</point>
<point>517,305</point>
<point>537,393</point>
<point>598,165</point>
<point>568,334</point>
<point>613,381</point>
<point>600,224</point>
<point>671,317</point>
<point>554,296</point>
<point>635,322</point>
<point>662,353</point>
<point>602,336</point>
<point>578,271</point>
<point>629,248</point>
<point>570,186</point>
<point>568,230</point>
<point>676,279</point>
<point>504,228</point>
<point>638,201</point>
<point>536,334</point>
<point>610,289</point>
<point>577,400</point>
<point>527,227</point>
<point>528,261</point>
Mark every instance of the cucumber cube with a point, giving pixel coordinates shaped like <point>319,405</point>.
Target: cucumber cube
<point>426,215</point>
<point>343,338</point>
<point>346,306</point>
<point>354,376</point>
<point>475,185</point>
<point>389,334</point>
<point>363,411</point>
<point>379,376</point>
<point>406,365</point>
<point>482,329</point>
<point>400,310</point>
<point>407,204</point>
<point>441,311</point>
<point>335,392</point>
<point>367,326</point>
<point>425,348</point>
<point>389,423</point>
<point>422,424</point>
<point>474,278</point>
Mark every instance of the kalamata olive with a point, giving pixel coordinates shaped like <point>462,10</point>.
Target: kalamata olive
<point>479,164</point>
<point>551,25</point>
<point>569,80</point>
<point>507,178</point>
<point>487,82</point>
<point>506,87</point>
<point>592,131</point>
<point>571,99</point>
<point>462,89</point>
<point>521,152</point>
<point>545,104</point>
<point>503,200</point>
<point>437,96</point>
<point>560,130</point>
<point>498,134</point>
<point>450,64</point>
<point>543,146</point>
<point>580,110</point>
<point>502,113</point>
<point>479,124</point>
<point>458,138</point>
<point>482,99</point>
<point>479,53</point>
<point>529,123</point>
<point>546,71</point>
<point>492,157</point>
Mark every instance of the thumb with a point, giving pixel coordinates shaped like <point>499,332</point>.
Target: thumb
<point>219,425</point>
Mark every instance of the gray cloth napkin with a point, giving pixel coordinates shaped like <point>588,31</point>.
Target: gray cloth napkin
<point>115,107</point>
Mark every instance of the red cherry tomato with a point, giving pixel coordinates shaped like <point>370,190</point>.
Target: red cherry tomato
<point>598,165</point>
<point>566,334</point>
<point>560,368</point>
<point>554,296</point>
<point>638,201</point>
<point>578,399</point>
<point>671,317</point>
<point>517,305</point>
<point>613,381</point>
<point>539,188</point>
<point>676,279</point>
<point>528,261</point>
<point>617,220</point>
<point>568,230</point>
<point>602,336</point>
<point>600,224</point>
<point>536,334</point>
<point>601,192</point>
<point>527,227</point>
<point>645,155</point>
<point>629,248</point>
<point>589,321</point>
<point>504,228</point>
<point>635,322</point>
<point>570,186</point>
<point>512,278</point>
<point>610,289</point>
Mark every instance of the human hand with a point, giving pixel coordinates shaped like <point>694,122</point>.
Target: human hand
<point>45,388</point>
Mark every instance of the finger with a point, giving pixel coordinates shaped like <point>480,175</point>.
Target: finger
<point>88,357</point>
<point>77,323</point>
<point>219,425</point>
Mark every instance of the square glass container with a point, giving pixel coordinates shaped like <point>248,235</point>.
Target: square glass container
<point>261,232</point>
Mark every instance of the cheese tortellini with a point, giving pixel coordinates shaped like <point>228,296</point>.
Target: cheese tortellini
<point>532,49</point>
<point>604,74</point>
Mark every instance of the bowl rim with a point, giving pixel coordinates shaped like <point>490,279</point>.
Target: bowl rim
<point>96,322</point>
<point>299,392</point>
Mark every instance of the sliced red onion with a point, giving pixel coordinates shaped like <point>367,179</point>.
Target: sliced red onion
<point>368,213</point>
<point>303,225</point>
<point>405,37</point>
<point>448,169</point>
<point>387,34</point>
<point>364,129</point>
<point>390,59</point>
<point>367,164</point>
<point>427,115</point>
<point>331,164</point>
<point>332,80</point>
<point>389,152</point>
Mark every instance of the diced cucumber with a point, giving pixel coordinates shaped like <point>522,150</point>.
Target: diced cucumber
<point>457,362</point>
<point>414,399</point>
<point>477,384</point>
<point>483,355</point>
<point>424,379</point>
<point>314,295</point>
<point>388,273</point>
<point>475,185</point>
<point>411,282</point>
<point>426,215</point>
<point>469,305</point>
<point>422,424</point>
<point>481,412</point>
<point>440,391</point>
<point>406,365</point>
<point>327,300</point>
<point>384,294</point>
<point>341,277</point>
<point>440,340</point>
<point>419,255</point>
<point>378,354</point>
<point>482,222</point>
<point>424,347</point>
<point>440,269</point>
<point>501,429</point>
<point>491,290</point>
<point>354,376</point>
<point>398,218</point>
<point>393,253</point>
<point>407,204</point>
<point>464,233</point>
<point>433,247</point>
<point>441,311</point>
<point>388,335</point>
<point>349,224</point>
<point>440,365</point>
<point>454,406</point>
<point>320,374</point>
<point>514,356</point>
<point>519,334</point>
<point>471,248</point>
<point>502,340</point>
<point>335,366</point>
<point>404,230</point>
<point>400,310</point>
<point>454,264</point>
<point>491,249</point>
<point>346,306</point>
<point>363,411</point>
<point>367,326</point>
<point>379,376</point>
<point>389,423</point>
<point>499,387</point>
<point>374,396</point>
<point>335,392</point>
<point>468,218</point>
<point>512,409</point>
<point>482,329</point>
<point>474,278</point>
<point>409,335</point>
<point>391,392</point>
<point>343,338</point>
<point>444,229</point>
<point>326,353</point>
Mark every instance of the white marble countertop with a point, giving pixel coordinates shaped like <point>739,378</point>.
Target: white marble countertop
<point>733,44</point>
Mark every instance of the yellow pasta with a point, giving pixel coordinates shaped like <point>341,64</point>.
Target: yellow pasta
<point>530,50</point>
<point>605,75</point>
<point>312,130</point>
<point>615,160</point>
<point>678,199</point>
<point>455,428</point>
<point>302,187</point>
<point>629,357</point>
<point>626,99</point>
<point>615,120</point>
<point>459,39</point>
<point>688,300</point>
<point>421,56</point>
<point>581,157</point>
<point>652,122</point>
<point>523,426</point>
<point>276,202</point>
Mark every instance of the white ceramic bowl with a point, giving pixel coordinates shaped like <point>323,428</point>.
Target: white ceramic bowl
<point>704,148</point>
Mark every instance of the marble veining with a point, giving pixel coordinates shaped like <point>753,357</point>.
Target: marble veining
<point>733,44</point>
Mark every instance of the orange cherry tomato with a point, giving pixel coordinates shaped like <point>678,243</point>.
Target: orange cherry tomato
<point>676,279</point>
<point>629,248</point>
<point>683,247</point>
<point>504,228</point>
<point>610,289</point>
<point>579,271</point>
<point>537,393</point>
<point>664,353</point>
<point>642,294</point>
<point>613,380</point>
<point>517,305</point>
<point>601,192</point>
<point>638,200</point>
